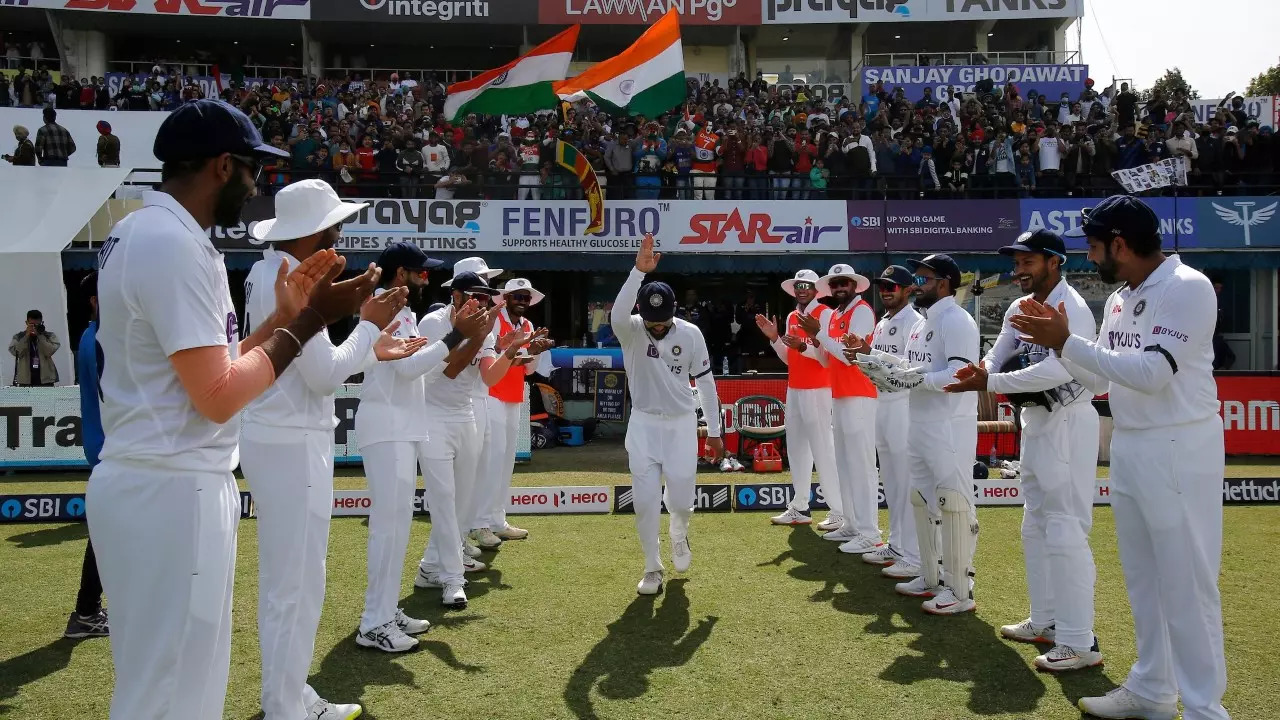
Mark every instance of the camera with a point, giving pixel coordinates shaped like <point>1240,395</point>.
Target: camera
<point>40,329</point>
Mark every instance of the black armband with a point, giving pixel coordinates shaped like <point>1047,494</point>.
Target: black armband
<point>453,339</point>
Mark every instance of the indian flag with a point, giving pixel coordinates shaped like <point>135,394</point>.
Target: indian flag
<point>646,79</point>
<point>523,85</point>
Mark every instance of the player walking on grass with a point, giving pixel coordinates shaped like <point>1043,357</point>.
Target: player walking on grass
<point>163,505</point>
<point>1059,458</point>
<point>286,450</point>
<point>808,408</point>
<point>661,354</point>
<point>1167,457</point>
<point>392,428</point>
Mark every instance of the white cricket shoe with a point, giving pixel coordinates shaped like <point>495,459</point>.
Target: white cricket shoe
<point>427,579</point>
<point>945,602</point>
<point>410,626</point>
<point>650,584</point>
<point>791,516</point>
<point>916,588</point>
<point>1063,657</point>
<point>737,466</point>
<point>860,544</point>
<point>834,521</point>
<point>1121,703</point>
<point>842,534</point>
<point>511,532</point>
<point>387,637</point>
<point>901,570</point>
<point>681,555</point>
<point>453,596</point>
<point>1027,632</point>
<point>882,555</point>
<point>726,465</point>
<point>485,538</point>
<point>473,565</point>
<point>324,710</point>
<point>470,550</point>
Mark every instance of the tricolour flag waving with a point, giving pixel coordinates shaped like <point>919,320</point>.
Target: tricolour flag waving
<point>523,85</point>
<point>646,79</point>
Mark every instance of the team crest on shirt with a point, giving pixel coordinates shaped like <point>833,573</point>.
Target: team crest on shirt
<point>676,350</point>
<point>1139,308</point>
<point>844,325</point>
<point>893,330</point>
<point>652,351</point>
<point>928,336</point>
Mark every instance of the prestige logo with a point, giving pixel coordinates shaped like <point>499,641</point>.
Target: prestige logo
<point>896,7</point>
<point>442,10</point>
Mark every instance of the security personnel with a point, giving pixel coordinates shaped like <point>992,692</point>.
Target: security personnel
<point>1059,458</point>
<point>1167,457</point>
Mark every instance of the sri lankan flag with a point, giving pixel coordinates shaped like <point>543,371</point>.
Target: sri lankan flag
<point>568,157</point>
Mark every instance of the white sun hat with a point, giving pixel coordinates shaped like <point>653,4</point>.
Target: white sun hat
<point>860,282</point>
<point>304,208</point>
<point>476,265</point>
<point>809,276</point>
<point>522,285</point>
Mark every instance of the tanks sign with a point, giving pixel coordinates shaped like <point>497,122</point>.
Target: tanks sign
<point>1048,80</point>
<point>453,12</point>
<point>646,12</point>
<point>796,12</point>
<point>270,9</point>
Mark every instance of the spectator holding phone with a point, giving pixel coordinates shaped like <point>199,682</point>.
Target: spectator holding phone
<point>33,349</point>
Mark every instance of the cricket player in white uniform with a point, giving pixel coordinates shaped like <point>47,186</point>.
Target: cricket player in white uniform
<point>286,450</point>
<point>942,441</point>
<point>900,557</point>
<point>163,505</point>
<point>391,426</point>
<point>504,400</point>
<point>808,412</point>
<point>1167,458</point>
<point>451,455</point>
<point>661,353</point>
<point>1059,458</point>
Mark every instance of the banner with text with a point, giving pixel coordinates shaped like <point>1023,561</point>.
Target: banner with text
<point>266,9</point>
<point>1211,222</point>
<point>118,80</point>
<point>799,12</point>
<point>450,12</point>
<point>646,12</point>
<point>1048,80</point>
<point>1261,108</point>
<point>952,225</point>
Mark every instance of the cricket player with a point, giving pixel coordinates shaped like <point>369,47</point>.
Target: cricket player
<point>505,398</point>
<point>1167,458</point>
<point>853,408</point>
<point>900,557</point>
<point>391,428</point>
<point>163,505</point>
<point>942,441</point>
<point>451,455</point>
<point>808,407</point>
<point>661,354</point>
<point>286,449</point>
<point>1059,458</point>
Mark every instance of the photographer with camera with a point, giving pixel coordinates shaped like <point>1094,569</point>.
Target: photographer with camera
<point>34,349</point>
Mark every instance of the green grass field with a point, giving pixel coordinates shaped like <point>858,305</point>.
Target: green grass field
<point>770,623</point>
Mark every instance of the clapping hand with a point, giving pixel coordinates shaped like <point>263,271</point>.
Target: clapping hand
<point>471,320</point>
<point>382,309</point>
<point>293,289</point>
<point>390,347</point>
<point>856,343</point>
<point>1041,324</point>
<point>794,342</point>
<point>810,325</point>
<point>768,326</point>
<point>970,378</point>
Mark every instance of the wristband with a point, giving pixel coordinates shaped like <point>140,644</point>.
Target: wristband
<point>453,339</point>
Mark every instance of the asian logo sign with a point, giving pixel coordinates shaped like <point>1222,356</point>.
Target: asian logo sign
<point>269,9</point>
<point>798,12</point>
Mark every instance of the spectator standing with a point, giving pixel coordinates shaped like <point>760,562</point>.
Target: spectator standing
<point>706,152</point>
<point>1026,175</point>
<point>33,350</point>
<point>1132,151</point>
<point>54,145</point>
<point>818,176</point>
<point>1049,149</point>
<point>780,165</point>
<point>618,164</point>
<point>860,161</point>
<point>346,166</point>
<point>805,152</point>
<point>956,180</point>
<point>409,165</point>
<point>25,153</point>
<point>733,154</point>
<point>1126,105</point>
<point>757,169</point>
<point>681,158</point>
<point>108,146</point>
<point>928,172</point>
<point>530,177</point>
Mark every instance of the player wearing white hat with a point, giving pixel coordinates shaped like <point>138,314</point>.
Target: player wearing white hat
<point>1059,458</point>
<point>504,400</point>
<point>1167,458</point>
<point>808,409</point>
<point>163,505</point>
<point>391,426</point>
<point>451,456</point>
<point>661,354</point>
<point>286,449</point>
<point>853,408</point>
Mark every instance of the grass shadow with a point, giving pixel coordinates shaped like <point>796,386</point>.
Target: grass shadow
<point>30,667</point>
<point>56,535</point>
<point>348,669</point>
<point>637,643</point>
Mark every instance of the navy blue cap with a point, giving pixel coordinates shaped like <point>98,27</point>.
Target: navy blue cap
<point>894,275</point>
<point>405,255</point>
<point>1115,216</point>
<point>657,302</point>
<point>470,283</point>
<point>206,129</point>
<point>1041,241</point>
<point>942,265</point>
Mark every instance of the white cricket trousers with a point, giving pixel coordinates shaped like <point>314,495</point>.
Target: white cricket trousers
<point>940,455</point>
<point>893,423</point>
<point>292,486</point>
<point>659,445</point>
<point>704,185</point>
<point>1059,482</point>
<point>810,442</point>
<point>392,473</point>
<point>166,547</point>
<point>448,459</point>
<point>476,499</point>
<point>1166,493</point>
<point>493,485</point>
<point>854,422</point>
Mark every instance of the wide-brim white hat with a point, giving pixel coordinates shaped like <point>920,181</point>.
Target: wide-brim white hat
<point>305,208</point>
<point>860,282</point>
<point>476,265</point>
<point>809,276</point>
<point>522,285</point>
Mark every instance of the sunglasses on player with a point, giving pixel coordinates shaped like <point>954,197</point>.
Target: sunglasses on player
<point>889,287</point>
<point>839,282</point>
<point>521,296</point>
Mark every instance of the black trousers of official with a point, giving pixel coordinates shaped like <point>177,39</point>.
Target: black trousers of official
<point>89,599</point>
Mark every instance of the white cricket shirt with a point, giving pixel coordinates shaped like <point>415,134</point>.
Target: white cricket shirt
<point>891,336</point>
<point>449,400</point>
<point>1156,349</point>
<point>944,340</point>
<point>302,397</point>
<point>162,288</point>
